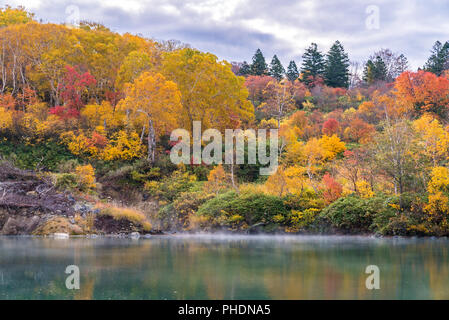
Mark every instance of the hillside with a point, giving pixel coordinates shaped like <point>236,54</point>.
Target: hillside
<point>86,116</point>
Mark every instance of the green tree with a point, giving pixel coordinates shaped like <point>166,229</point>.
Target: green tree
<point>277,71</point>
<point>245,69</point>
<point>336,72</point>
<point>439,59</point>
<point>312,65</point>
<point>259,66</point>
<point>292,71</point>
<point>375,71</point>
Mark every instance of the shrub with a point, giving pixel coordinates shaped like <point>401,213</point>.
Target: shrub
<point>68,166</point>
<point>169,188</point>
<point>253,207</point>
<point>350,214</point>
<point>47,155</point>
<point>178,215</point>
<point>308,199</point>
<point>66,181</point>
<point>300,220</point>
<point>86,177</point>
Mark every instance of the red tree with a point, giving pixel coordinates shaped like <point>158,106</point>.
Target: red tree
<point>332,190</point>
<point>330,127</point>
<point>73,88</point>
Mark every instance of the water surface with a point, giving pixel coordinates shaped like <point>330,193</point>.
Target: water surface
<point>224,267</point>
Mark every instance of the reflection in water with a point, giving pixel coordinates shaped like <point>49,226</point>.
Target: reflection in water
<point>224,267</point>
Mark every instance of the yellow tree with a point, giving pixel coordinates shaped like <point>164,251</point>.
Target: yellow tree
<point>432,137</point>
<point>158,100</point>
<point>217,180</point>
<point>211,92</point>
<point>133,65</point>
<point>18,15</point>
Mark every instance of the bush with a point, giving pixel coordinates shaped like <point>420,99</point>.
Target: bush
<point>350,214</point>
<point>177,215</point>
<point>47,155</point>
<point>169,188</point>
<point>66,181</point>
<point>308,199</point>
<point>253,207</point>
<point>85,177</point>
<point>301,220</point>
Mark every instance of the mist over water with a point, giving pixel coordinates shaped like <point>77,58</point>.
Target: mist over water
<point>224,267</point>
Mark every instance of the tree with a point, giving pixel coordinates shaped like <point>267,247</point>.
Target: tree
<point>259,66</point>
<point>330,127</point>
<point>332,190</point>
<point>280,99</point>
<point>19,15</point>
<point>395,64</point>
<point>256,86</point>
<point>292,71</point>
<point>277,71</point>
<point>433,139</point>
<point>156,99</point>
<point>312,65</point>
<point>439,59</point>
<point>73,91</point>
<point>394,151</point>
<point>211,93</point>
<point>419,92</point>
<point>336,72</point>
<point>245,69</point>
<point>134,64</point>
<point>375,71</point>
<point>217,180</point>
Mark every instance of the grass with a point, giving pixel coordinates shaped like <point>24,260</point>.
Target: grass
<point>133,215</point>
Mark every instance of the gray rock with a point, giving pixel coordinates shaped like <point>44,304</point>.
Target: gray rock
<point>134,235</point>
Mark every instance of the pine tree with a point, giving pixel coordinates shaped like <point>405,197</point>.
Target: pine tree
<point>277,71</point>
<point>312,64</point>
<point>292,71</point>
<point>259,66</point>
<point>245,69</point>
<point>368,72</point>
<point>336,72</point>
<point>439,60</point>
<point>375,71</point>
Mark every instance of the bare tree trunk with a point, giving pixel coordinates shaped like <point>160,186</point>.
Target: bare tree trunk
<point>142,134</point>
<point>151,142</point>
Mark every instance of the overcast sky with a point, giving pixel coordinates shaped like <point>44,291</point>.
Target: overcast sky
<point>234,29</point>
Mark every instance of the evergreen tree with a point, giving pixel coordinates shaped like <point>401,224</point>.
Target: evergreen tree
<point>439,60</point>
<point>259,66</point>
<point>292,71</point>
<point>368,72</point>
<point>312,64</point>
<point>375,71</point>
<point>277,71</point>
<point>336,72</point>
<point>245,69</point>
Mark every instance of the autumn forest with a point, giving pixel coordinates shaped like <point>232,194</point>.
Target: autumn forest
<point>363,148</point>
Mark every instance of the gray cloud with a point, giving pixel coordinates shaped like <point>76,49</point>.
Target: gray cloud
<point>234,29</point>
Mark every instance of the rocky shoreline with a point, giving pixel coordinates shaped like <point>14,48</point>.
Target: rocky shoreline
<point>31,205</point>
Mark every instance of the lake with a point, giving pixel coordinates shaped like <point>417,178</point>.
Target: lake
<point>224,267</point>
